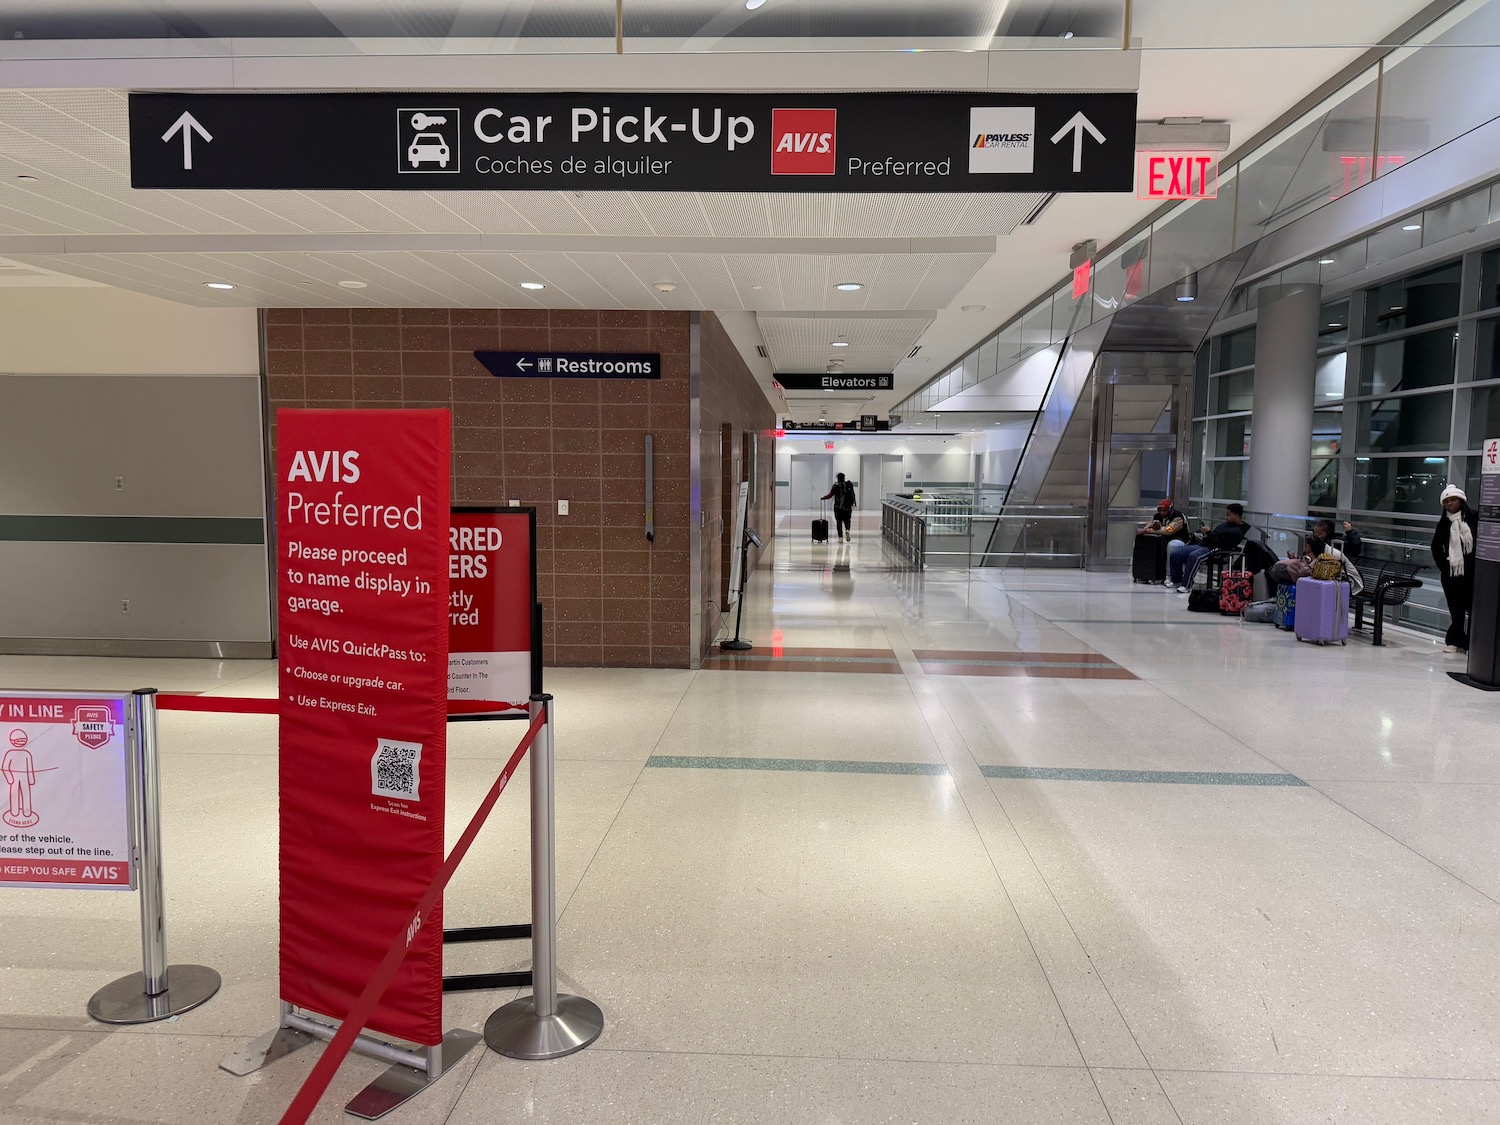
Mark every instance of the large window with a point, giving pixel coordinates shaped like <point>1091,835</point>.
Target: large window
<point>1405,425</point>
<point>1409,485</point>
<point>1410,301</point>
<point>1409,364</point>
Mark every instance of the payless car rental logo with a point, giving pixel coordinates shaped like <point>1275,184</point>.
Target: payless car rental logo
<point>1002,138</point>
<point>804,142</point>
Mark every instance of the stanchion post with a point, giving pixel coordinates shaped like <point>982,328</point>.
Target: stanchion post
<point>157,992</point>
<point>543,1025</point>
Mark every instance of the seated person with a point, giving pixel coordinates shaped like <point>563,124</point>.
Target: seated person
<point>1319,549</point>
<point>1183,558</point>
<point>1168,522</point>
<point>1320,543</point>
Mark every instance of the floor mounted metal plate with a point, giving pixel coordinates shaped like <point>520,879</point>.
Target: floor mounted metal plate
<point>125,1001</point>
<point>516,1032</point>
<point>265,1050</point>
<point>400,1084</point>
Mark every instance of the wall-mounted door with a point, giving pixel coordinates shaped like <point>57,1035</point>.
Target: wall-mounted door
<point>812,477</point>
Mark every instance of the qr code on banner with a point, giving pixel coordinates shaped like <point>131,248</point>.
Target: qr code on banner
<point>396,770</point>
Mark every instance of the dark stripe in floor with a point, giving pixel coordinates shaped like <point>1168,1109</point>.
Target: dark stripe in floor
<point>870,660</point>
<point>1150,777</point>
<point>1037,665</point>
<point>794,765</point>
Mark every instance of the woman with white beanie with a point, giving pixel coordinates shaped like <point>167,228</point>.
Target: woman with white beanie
<point>1453,551</point>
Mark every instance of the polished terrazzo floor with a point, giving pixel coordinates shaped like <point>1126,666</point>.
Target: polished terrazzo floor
<point>1016,847</point>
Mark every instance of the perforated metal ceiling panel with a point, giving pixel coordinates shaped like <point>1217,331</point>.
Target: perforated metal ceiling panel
<point>805,344</point>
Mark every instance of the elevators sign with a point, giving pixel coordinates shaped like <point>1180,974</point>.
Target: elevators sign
<point>66,811</point>
<point>1488,545</point>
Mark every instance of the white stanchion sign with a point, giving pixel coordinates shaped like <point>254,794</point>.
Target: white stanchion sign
<point>65,817</point>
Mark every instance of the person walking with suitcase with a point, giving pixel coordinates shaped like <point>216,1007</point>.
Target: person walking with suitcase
<point>1453,551</point>
<point>842,494</point>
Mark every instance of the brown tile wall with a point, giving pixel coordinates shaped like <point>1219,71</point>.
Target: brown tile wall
<point>611,598</point>
<point>733,415</point>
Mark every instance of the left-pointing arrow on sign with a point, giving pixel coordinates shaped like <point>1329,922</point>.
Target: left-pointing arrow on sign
<point>187,124</point>
<point>523,364</point>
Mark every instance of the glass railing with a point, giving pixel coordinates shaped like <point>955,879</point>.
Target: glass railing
<point>929,536</point>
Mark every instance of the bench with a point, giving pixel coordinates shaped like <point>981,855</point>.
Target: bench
<point>1386,583</point>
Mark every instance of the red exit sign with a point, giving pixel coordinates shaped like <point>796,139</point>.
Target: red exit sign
<point>1177,175</point>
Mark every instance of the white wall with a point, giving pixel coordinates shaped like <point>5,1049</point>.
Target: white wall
<point>1000,448</point>
<point>925,460</point>
<point>131,471</point>
<point>102,331</point>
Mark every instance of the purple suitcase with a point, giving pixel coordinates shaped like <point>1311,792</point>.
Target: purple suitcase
<point>1322,611</point>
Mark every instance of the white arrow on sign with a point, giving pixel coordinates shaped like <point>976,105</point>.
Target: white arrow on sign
<point>523,364</point>
<point>1076,125</point>
<point>186,124</point>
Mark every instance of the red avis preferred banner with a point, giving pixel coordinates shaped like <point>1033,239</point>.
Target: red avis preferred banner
<point>362,592</point>
<point>491,595</point>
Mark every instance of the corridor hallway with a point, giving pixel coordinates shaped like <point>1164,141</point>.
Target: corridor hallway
<point>995,846</point>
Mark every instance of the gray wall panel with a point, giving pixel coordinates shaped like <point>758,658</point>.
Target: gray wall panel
<point>185,445</point>
<point>177,591</point>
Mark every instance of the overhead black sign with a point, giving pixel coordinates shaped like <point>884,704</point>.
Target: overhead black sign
<point>836,382</point>
<point>570,365</point>
<point>908,142</point>
<point>864,424</point>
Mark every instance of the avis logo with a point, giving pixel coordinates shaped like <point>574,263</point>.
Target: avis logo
<point>1002,140</point>
<point>804,142</point>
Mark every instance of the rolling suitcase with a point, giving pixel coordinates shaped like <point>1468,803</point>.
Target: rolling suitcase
<point>1322,611</point>
<point>1148,562</point>
<point>820,528</point>
<point>1285,616</point>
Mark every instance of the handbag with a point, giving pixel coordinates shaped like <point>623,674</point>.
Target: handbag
<point>1203,601</point>
<point>1326,569</point>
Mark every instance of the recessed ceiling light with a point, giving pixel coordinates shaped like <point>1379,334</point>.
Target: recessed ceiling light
<point>1067,35</point>
<point>218,285</point>
<point>1412,226</point>
<point>756,288</point>
<point>666,287</point>
<point>849,286</point>
<point>352,284</point>
<point>751,5</point>
<point>1335,326</point>
<point>973,308</point>
<point>532,285</point>
<point>27,179</point>
<point>841,343</point>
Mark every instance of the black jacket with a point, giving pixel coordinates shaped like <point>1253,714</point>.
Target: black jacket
<point>1226,536</point>
<point>1440,540</point>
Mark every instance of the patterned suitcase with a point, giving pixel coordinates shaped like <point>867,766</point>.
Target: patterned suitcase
<point>1322,611</point>
<point>1286,607</point>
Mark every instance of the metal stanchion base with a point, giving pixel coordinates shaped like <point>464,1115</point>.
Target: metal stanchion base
<point>400,1084</point>
<point>515,1031</point>
<point>266,1049</point>
<point>736,646</point>
<point>125,1001</point>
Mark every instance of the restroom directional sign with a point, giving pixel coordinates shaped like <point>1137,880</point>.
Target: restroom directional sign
<point>915,142</point>
<point>571,365</point>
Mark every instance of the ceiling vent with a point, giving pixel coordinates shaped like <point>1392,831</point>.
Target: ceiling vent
<point>1036,212</point>
<point>760,350</point>
<point>913,353</point>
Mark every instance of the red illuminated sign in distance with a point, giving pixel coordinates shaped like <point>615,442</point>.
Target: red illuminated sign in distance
<point>1177,175</point>
<point>804,142</point>
<point>1081,276</point>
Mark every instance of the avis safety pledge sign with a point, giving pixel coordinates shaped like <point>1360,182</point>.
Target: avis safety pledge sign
<point>362,593</point>
<point>491,595</point>
<point>65,817</point>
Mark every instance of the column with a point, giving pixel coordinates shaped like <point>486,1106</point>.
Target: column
<point>1286,356</point>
